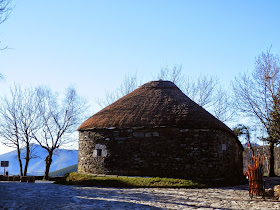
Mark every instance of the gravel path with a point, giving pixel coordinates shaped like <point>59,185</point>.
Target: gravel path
<point>45,195</point>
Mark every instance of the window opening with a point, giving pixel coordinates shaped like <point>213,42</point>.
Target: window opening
<point>99,152</point>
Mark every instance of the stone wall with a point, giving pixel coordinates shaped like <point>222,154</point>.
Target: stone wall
<point>160,151</point>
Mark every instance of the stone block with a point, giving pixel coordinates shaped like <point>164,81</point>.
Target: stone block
<point>116,133</point>
<point>276,190</point>
<point>269,192</point>
<point>4,178</point>
<point>155,134</point>
<point>137,128</point>
<point>16,178</point>
<point>148,135</point>
<point>111,128</point>
<point>23,179</point>
<point>138,134</point>
<point>120,138</point>
<point>10,178</point>
<point>31,179</point>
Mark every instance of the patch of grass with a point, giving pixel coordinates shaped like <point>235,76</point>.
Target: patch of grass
<point>129,182</point>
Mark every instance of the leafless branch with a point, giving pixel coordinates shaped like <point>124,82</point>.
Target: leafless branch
<point>58,119</point>
<point>201,90</point>
<point>173,74</point>
<point>257,96</point>
<point>5,10</point>
<point>129,83</point>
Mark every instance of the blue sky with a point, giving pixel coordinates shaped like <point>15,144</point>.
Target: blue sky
<point>94,44</point>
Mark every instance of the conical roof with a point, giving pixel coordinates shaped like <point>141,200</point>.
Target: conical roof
<point>157,103</point>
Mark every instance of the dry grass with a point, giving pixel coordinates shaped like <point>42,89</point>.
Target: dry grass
<point>129,182</point>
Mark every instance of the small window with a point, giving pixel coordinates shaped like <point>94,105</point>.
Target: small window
<point>99,152</point>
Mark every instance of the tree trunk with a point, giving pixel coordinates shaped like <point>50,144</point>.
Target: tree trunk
<point>48,164</point>
<point>19,160</point>
<point>27,158</point>
<point>271,160</point>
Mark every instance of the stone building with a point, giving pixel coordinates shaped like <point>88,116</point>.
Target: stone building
<point>156,130</point>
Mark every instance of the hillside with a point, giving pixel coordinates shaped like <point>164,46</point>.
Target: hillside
<point>62,172</point>
<point>61,159</point>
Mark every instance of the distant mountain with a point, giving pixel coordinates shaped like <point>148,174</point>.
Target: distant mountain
<point>62,158</point>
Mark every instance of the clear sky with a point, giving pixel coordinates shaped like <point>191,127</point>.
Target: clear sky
<point>93,44</point>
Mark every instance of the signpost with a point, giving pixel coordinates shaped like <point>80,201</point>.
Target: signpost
<point>4,164</point>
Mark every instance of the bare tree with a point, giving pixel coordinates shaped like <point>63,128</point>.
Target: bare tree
<point>29,115</point>
<point>222,107</point>
<point>205,90</point>
<point>129,83</point>
<point>19,115</point>
<point>256,95</point>
<point>58,120</point>
<point>36,114</point>
<point>9,126</point>
<point>173,74</point>
<point>5,10</point>
<point>201,90</point>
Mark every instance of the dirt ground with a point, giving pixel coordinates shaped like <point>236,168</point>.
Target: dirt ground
<point>46,195</point>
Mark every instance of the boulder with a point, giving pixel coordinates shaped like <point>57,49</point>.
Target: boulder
<point>276,190</point>
<point>269,192</point>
